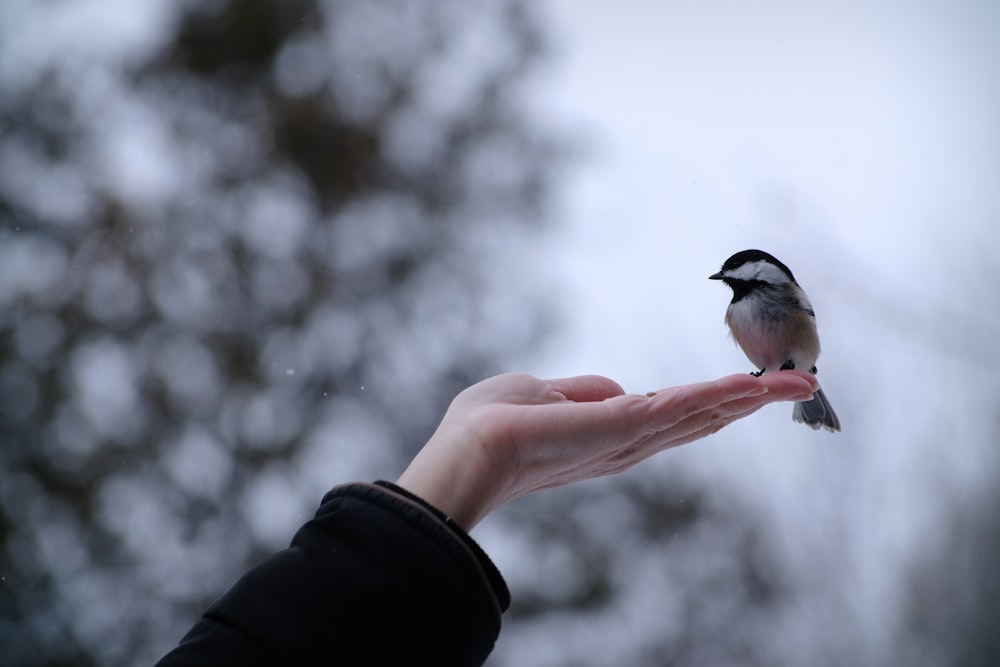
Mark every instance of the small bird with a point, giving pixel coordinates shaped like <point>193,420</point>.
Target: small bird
<point>774,323</point>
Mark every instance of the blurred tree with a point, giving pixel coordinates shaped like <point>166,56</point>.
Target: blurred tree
<point>247,250</point>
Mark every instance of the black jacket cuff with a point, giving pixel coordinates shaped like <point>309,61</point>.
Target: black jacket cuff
<point>493,575</point>
<point>378,576</point>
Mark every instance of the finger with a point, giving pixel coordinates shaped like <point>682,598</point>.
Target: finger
<point>741,385</point>
<point>788,380</point>
<point>709,428</point>
<point>706,423</point>
<point>796,387</point>
<point>688,430</point>
<point>786,389</point>
<point>587,388</point>
<point>687,400</point>
<point>785,382</point>
<point>708,420</point>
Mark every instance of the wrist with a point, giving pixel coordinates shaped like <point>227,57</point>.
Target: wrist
<point>452,473</point>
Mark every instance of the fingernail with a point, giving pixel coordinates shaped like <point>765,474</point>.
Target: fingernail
<point>802,392</point>
<point>806,394</point>
<point>759,390</point>
<point>811,383</point>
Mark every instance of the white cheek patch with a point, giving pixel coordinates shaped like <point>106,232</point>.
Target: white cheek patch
<point>759,270</point>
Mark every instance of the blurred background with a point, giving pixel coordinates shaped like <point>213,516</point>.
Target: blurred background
<point>251,249</point>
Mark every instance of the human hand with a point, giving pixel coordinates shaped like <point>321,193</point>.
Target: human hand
<point>514,434</point>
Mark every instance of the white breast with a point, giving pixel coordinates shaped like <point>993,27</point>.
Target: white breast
<point>757,340</point>
<point>770,340</point>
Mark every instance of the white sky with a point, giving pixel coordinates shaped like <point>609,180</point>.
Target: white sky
<point>858,143</point>
<point>841,139</point>
<point>861,145</point>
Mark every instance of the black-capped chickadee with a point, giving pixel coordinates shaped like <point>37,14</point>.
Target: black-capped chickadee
<point>772,320</point>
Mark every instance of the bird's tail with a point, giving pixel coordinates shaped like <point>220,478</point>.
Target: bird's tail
<point>817,412</point>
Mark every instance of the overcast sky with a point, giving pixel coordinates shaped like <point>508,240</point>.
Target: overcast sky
<point>859,143</point>
<point>845,139</point>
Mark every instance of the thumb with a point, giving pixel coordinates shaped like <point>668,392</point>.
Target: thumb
<point>587,388</point>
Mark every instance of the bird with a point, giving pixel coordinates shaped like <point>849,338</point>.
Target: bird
<point>771,319</point>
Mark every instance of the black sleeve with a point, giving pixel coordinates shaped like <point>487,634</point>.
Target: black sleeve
<point>377,577</point>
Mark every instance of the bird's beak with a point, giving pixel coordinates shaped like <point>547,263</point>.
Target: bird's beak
<point>716,276</point>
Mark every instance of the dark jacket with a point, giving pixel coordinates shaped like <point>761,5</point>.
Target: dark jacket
<point>378,577</point>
